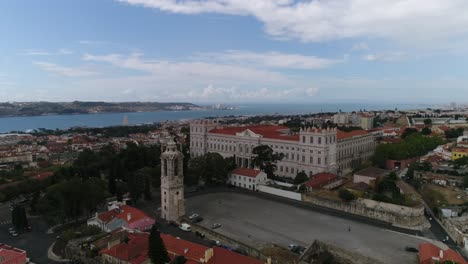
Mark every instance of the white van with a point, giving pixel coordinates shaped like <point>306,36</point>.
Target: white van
<point>185,227</point>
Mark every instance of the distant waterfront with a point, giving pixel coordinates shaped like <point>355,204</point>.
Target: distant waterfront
<point>8,124</point>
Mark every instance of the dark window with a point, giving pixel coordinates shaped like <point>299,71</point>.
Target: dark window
<point>176,167</point>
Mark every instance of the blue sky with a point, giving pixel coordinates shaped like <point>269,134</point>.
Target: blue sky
<point>232,51</point>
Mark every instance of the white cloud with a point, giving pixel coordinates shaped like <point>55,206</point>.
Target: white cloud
<point>36,52</point>
<point>390,56</point>
<point>64,71</point>
<point>312,91</point>
<point>360,46</point>
<point>370,57</point>
<point>192,69</point>
<point>416,21</point>
<point>270,59</point>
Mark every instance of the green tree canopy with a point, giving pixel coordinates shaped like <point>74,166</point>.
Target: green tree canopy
<point>210,168</point>
<point>266,159</point>
<point>301,177</point>
<point>156,249</point>
<point>346,195</point>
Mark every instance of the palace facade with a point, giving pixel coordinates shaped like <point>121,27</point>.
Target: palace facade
<point>312,150</point>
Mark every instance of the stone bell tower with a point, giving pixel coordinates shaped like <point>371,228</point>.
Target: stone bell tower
<point>172,182</point>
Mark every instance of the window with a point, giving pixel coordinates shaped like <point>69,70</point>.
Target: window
<point>319,160</point>
<point>320,140</point>
<point>281,168</point>
<point>176,167</point>
<point>292,156</point>
<point>303,158</point>
<point>287,170</point>
<point>311,160</point>
<point>312,140</point>
<point>303,139</point>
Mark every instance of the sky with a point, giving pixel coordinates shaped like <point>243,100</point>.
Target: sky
<point>235,51</point>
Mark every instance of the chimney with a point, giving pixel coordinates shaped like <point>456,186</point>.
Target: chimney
<point>129,216</point>
<point>441,254</point>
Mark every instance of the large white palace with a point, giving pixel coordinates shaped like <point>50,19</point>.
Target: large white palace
<point>311,150</point>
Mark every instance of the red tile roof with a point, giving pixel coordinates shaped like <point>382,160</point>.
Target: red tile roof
<point>429,253</point>
<point>135,251</point>
<point>355,133</point>
<point>224,256</point>
<point>246,172</point>
<point>122,213</point>
<point>179,247</point>
<point>321,179</point>
<point>267,131</point>
<point>44,175</point>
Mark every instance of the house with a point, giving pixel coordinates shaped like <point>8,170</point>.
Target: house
<point>321,180</point>
<point>429,253</point>
<point>122,216</point>
<point>135,251</point>
<point>369,175</point>
<point>459,153</point>
<point>11,255</point>
<point>247,178</point>
<point>224,256</point>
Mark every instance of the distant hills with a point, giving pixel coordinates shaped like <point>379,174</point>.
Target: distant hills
<point>77,107</point>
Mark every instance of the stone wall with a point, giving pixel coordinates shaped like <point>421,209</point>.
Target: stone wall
<point>320,252</point>
<point>279,192</point>
<point>211,234</point>
<point>402,216</point>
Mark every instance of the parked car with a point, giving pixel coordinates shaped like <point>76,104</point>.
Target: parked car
<point>411,249</point>
<point>296,248</point>
<point>197,219</point>
<point>192,216</point>
<point>215,225</point>
<point>185,227</point>
<point>215,243</point>
<point>199,234</point>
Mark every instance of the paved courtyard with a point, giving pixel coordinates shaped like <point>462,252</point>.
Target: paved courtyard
<point>257,221</point>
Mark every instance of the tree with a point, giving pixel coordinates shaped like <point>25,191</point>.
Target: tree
<point>156,248</point>
<point>301,177</point>
<point>427,121</point>
<point>210,168</point>
<point>426,131</point>
<point>346,195</point>
<point>18,218</point>
<point>179,260</point>
<point>409,131</point>
<point>266,159</point>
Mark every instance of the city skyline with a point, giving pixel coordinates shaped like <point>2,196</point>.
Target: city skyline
<point>234,51</point>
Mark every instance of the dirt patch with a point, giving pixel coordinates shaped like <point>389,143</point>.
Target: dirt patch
<point>449,193</point>
<point>280,255</point>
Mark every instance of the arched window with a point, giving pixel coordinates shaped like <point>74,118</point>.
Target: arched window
<point>165,167</point>
<point>176,167</point>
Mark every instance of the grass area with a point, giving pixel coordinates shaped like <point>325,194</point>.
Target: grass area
<point>280,255</point>
<point>449,194</point>
<point>332,195</point>
<point>433,197</point>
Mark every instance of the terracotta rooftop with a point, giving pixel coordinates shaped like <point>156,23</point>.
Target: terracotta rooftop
<point>320,179</point>
<point>429,253</point>
<point>224,256</point>
<point>179,247</point>
<point>122,213</point>
<point>355,133</point>
<point>246,172</point>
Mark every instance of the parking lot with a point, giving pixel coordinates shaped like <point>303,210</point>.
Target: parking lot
<point>258,222</point>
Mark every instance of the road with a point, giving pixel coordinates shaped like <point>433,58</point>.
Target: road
<point>257,221</point>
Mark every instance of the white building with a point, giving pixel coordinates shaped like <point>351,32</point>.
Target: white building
<point>247,178</point>
<point>311,150</point>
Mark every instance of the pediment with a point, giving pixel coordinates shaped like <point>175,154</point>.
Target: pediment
<point>248,133</point>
